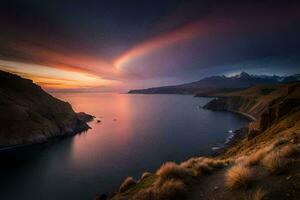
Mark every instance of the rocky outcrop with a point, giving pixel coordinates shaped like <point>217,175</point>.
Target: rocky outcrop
<point>30,115</point>
<point>265,107</point>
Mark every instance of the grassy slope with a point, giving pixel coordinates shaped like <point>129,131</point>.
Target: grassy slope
<point>282,131</point>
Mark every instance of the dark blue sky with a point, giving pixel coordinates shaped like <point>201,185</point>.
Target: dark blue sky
<point>149,43</point>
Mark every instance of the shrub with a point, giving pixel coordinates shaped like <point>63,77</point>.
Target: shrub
<point>289,150</point>
<point>238,176</point>
<point>127,183</point>
<point>273,162</point>
<point>171,170</point>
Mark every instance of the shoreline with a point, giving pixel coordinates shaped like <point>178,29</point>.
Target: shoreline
<point>80,128</point>
<point>246,115</point>
<point>52,139</point>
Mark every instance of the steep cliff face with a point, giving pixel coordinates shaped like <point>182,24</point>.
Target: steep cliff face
<point>266,103</point>
<point>30,115</point>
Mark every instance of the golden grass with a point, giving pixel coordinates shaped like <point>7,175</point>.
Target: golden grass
<point>205,165</point>
<point>127,183</point>
<point>146,194</point>
<point>274,162</point>
<point>238,176</point>
<point>257,156</point>
<point>289,150</point>
<point>240,159</point>
<point>170,189</point>
<point>191,162</point>
<point>171,170</point>
<point>145,175</point>
<point>279,142</point>
<point>203,168</point>
<point>258,194</point>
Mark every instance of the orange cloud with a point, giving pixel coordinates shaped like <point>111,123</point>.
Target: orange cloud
<point>55,78</point>
<point>186,32</point>
<point>65,61</point>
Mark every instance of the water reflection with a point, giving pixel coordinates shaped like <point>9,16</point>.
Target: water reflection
<point>149,130</point>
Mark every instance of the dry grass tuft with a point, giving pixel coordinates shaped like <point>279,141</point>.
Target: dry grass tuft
<point>218,164</point>
<point>127,183</point>
<point>203,168</point>
<point>206,164</point>
<point>279,142</point>
<point>256,157</point>
<point>191,162</point>
<point>240,159</point>
<point>171,170</point>
<point>146,194</point>
<point>258,194</point>
<point>289,150</point>
<point>145,175</point>
<point>274,162</point>
<point>170,189</point>
<point>238,176</point>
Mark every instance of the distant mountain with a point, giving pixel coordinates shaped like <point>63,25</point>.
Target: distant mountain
<point>214,84</point>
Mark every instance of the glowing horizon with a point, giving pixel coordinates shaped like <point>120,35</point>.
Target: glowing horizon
<point>53,78</point>
<point>169,44</point>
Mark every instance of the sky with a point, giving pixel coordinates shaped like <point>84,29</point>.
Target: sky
<point>114,46</point>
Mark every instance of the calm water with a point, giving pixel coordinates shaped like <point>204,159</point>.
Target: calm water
<point>136,133</point>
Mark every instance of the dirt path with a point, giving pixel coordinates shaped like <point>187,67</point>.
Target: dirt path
<point>210,187</point>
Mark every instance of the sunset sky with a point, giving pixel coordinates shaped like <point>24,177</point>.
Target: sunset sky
<point>105,46</point>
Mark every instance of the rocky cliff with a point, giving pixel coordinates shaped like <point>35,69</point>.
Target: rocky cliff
<point>264,103</point>
<point>30,115</point>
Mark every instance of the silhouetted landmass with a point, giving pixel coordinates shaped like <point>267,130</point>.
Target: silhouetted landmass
<point>30,115</point>
<point>214,84</point>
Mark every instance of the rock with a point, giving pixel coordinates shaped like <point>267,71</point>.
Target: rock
<point>216,187</point>
<point>85,117</point>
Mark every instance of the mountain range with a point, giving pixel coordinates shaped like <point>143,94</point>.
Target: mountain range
<point>214,84</point>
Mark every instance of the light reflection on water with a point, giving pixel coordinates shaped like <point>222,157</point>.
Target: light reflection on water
<point>136,133</point>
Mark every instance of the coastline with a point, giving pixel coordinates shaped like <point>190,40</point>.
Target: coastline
<point>80,128</point>
<point>251,118</point>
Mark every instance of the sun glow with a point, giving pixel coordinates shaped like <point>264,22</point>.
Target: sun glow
<point>54,78</point>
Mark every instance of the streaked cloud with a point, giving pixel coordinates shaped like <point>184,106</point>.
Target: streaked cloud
<point>54,78</point>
